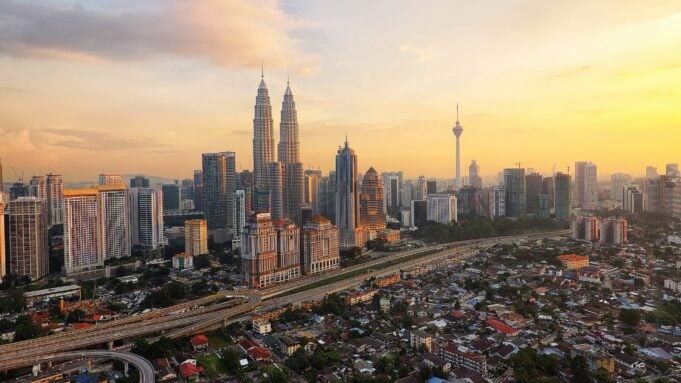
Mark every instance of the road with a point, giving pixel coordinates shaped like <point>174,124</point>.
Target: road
<point>212,311</point>
<point>146,370</point>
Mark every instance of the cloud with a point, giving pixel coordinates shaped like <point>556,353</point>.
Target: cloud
<point>93,140</point>
<point>229,33</point>
<point>420,54</point>
<point>16,140</point>
<point>241,132</point>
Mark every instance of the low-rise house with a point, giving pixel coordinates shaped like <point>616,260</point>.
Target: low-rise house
<point>199,342</point>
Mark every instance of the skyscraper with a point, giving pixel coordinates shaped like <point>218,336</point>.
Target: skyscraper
<point>672,170</point>
<point>347,199</point>
<point>146,217</point>
<point>110,179</point>
<point>586,185</point>
<point>392,188</point>
<point>441,208</point>
<point>514,184</point>
<point>548,189</point>
<point>457,130</point>
<point>171,197</point>
<point>28,247</point>
<point>82,239</point>
<point>372,215</point>
<point>37,187</point>
<point>114,227</point>
<point>617,183</point>
<point>419,190</point>
<point>55,199</point>
<point>431,187</point>
<point>275,188</point>
<point>474,175</point>
<point>219,185</point>
<point>496,201</point>
<point>563,196</point>
<point>139,182</point>
<point>239,216</point>
<point>198,190</point>
<point>313,196</point>
<point>3,259</point>
<point>327,187</point>
<point>651,172</point>
<point>195,237</point>
<point>263,136</point>
<point>533,187</point>
<point>320,246</point>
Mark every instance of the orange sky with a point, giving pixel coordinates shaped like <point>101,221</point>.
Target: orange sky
<point>145,87</point>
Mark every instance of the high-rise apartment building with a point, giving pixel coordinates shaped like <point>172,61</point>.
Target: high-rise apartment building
<point>495,198</point>
<point>239,215</point>
<point>418,213</point>
<point>533,187</point>
<point>372,215</point>
<point>470,201</point>
<point>195,237</point>
<point>633,199</point>
<point>514,185</point>
<point>431,187</point>
<point>110,179</point>
<point>263,136</point>
<point>614,231</point>
<point>198,190</point>
<point>672,170</point>
<point>548,188</point>
<point>392,190</point>
<point>474,178</point>
<point>563,196</point>
<point>407,193</point>
<point>586,228</point>
<point>441,208</point>
<point>96,226</point>
<point>586,185</point>
<point>55,199</point>
<point>18,189</point>
<point>114,227</point>
<point>219,185</point>
<point>347,199</point>
<point>321,250</point>
<point>146,217</point>
<point>28,247</point>
<point>37,187</point>
<point>420,189</point>
<point>139,182</point>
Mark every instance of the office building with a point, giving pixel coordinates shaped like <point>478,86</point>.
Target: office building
<point>37,187</point>
<point>548,188</point>
<point>664,196</point>
<point>474,178</point>
<point>419,189</point>
<point>110,179</point>
<point>18,189</point>
<point>288,154</point>
<point>533,187</point>
<point>633,199</point>
<point>431,187</point>
<point>327,187</point>
<point>672,170</point>
<point>320,246</point>
<point>392,190</point>
<point>441,208</point>
<point>563,196</point>
<point>275,188</point>
<point>198,190</point>
<point>28,247</point>
<point>146,218</point>
<point>617,183</point>
<point>171,197</point>
<point>313,197</point>
<point>495,201</point>
<point>586,185</point>
<point>514,185</point>
<point>543,206</point>
<point>288,250</point>
<point>139,182</point>
<point>651,172</point>
<point>55,199</point>
<point>195,237</point>
<point>219,185</point>
<point>469,201</point>
<point>3,255</point>
<point>419,213</point>
<point>263,136</point>
<point>347,199</point>
<point>407,193</point>
<point>372,215</point>
<point>458,130</point>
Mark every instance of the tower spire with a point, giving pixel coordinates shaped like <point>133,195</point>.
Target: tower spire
<point>262,71</point>
<point>457,112</point>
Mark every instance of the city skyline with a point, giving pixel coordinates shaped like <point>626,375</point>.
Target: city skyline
<point>613,71</point>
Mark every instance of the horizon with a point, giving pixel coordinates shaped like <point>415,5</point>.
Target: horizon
<point>555,86</point>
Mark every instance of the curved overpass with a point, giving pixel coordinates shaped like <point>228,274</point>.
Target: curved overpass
<point>146,370</point>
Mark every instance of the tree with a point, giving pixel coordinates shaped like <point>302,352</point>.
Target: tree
<point>75,316</point>
<point>202,261</point>
<point>580,370</point>
<point>426,373</point>
<point>603,376</point>
<point>25,329</point>
<point>630,317</point>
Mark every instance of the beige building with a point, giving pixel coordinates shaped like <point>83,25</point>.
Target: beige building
<point>320,246</point>
<point>372,213</point>
<point>196,237</point>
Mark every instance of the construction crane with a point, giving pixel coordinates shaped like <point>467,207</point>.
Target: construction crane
<point>19,179</point>
<point>518,163</point>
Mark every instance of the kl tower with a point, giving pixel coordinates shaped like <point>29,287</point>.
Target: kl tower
<point>458,129</point>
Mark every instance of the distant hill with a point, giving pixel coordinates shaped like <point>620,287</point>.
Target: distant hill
<point>153,180</point>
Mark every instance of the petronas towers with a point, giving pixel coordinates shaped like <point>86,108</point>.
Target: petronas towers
<point>279,184</point>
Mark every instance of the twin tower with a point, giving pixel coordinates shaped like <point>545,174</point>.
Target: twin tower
<point>279,183</point>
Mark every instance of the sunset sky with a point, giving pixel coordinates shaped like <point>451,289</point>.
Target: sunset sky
<point>130,86</point>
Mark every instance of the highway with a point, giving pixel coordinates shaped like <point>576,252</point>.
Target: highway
<point>189,317</point>
<point>146,370</point>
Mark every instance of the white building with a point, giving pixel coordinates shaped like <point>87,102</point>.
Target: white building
<point>441,208</point>
<point>146,213</point>
<point>183,261</point>
<point>82,236</point>
<point>586,185</point>
<point>28,247</point>
<point>114,227</point>
<point>239,217</point>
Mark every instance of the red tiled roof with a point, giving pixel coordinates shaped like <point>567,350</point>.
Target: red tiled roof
<point>199,340</point>
<point>188,369</point>
<point>80,325</point>
<point>501,327</point>
<point>259,353</point>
